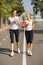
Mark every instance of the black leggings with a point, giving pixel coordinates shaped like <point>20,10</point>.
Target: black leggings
<point>29,36</point>
<point>16,32</point>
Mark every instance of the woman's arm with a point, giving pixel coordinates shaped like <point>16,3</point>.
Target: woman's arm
<point>18,22</point>
<point>24,24</point>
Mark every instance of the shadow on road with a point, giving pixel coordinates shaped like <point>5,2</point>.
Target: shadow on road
<point>38,31</point>
<point>4,51</point>
<point>17,52</point>
<point>35,31</point>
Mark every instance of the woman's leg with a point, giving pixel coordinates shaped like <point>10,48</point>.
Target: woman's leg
<point>17,40</point>
<point>18,44</point>
<point>31,39</point>
<point>12,47</point>
<point>12,42</point>
<point>28,45</point>
<point>31,47</point>
<point>27,39</point>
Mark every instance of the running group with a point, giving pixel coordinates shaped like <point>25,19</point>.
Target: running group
<point>13,24</point>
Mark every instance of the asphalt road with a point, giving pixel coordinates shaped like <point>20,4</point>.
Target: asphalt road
<point>17,59</point>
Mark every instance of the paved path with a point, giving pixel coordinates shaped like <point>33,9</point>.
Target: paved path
<point>17,59</point>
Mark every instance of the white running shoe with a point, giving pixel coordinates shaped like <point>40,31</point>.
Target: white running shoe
<point>30,53</point>
<point>12,54</point>
<point>18,50</point>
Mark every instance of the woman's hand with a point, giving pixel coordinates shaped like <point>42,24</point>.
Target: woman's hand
<point>24,24</point>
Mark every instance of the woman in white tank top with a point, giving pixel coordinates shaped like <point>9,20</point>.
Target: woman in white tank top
<point>29,32</point>
<point>29,25</point>
<point>14,23</point>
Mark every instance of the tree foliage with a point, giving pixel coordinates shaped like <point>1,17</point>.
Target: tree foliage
<point>38,6</point>
<point>6,7</point>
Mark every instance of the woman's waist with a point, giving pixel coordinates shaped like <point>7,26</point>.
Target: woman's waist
<point>14,27</point>
<point>28,29</point>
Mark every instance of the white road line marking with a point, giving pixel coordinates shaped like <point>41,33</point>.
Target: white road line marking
<point>24,51</point>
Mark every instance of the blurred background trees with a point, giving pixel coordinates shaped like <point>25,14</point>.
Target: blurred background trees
<point>37,6</point>
<point>6,7</point>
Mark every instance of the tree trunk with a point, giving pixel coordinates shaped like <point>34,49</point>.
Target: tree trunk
<point>0,21</point>
<point>6,20</point>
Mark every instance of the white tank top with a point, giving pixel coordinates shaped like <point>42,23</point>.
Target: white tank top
<point>13,22</point>
<point>29,25</point>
